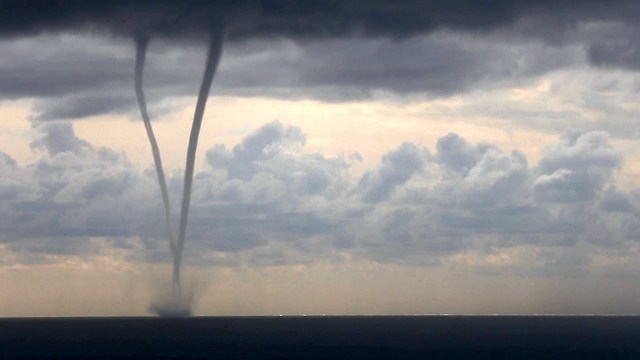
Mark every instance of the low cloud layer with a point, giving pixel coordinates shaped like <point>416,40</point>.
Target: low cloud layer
<point>63,55</point>
<point>266,201</point>
<point>75,77</point>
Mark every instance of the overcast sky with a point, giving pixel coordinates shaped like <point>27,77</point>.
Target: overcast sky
<point>355,157</point>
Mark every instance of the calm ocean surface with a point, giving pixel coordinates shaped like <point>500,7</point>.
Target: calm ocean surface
<point>328,337</point>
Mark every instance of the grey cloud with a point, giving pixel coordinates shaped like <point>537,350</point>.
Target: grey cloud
<point>75,189</point>
<point>496,176</point>
<point>285,17</point>
<point>614,200</point>
<point>396,168</point>
<point>563,185</point>
<point>228,238</point>
<point>485,177</point>
<point>358,68</point>
<point>76,76</point>
<point>609,36</point>
<point>455,153</point>
<point>493,200</point>
<point>286,206</point>
<point>333,67</point>
<point>51,66</point>
<point>64,245</point>
<point>577,168</point>
<point>77,107</point>
<point>59,138</point>
<point>396,228</point>
<point>336,51</point>
<point>267,142</point>
<point>579,149</point>
<point>621,53</point>
<point>578,97</point>
<point>267,157</point>
<point>297,226</point>
<point>6,161</point>
<point>615,45</point>
<point>12,186</point>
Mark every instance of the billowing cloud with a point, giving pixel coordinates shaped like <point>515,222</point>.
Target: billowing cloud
<point>75,189</point>
<point>266,201</point>
<point>396,169</point>
<point>578,168</point>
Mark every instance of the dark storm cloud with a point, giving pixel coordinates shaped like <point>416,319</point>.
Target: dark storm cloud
<point>292,18</point>
<point>95,75</point>
<point>261,17</point>
<point>358,47</point>
<point>616,46</point>
<point>356,68</point>
<point>51,66</point>
<point>75,77</point>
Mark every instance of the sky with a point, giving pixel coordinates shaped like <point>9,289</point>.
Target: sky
<point>420,157</point>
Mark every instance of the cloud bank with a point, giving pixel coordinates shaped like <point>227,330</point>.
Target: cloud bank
<point>74,76</point>
<point>267,202</point>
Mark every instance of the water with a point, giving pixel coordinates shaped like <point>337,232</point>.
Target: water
<point>330,337</point>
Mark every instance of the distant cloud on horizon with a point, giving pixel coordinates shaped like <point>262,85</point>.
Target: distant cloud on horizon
<point>267,202</point>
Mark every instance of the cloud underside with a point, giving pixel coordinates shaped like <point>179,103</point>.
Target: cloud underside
<point>58,56</point>
<point>259,18</point>
<point>331,50</point>
<point>73,76</point>
<point>267,202</point>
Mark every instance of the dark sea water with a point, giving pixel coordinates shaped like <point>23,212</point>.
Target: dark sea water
<point>330,337</point>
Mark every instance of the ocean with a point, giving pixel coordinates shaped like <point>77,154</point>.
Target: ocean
<point>323,337</point>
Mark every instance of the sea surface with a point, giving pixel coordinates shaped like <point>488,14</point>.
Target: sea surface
<point>323,337</point>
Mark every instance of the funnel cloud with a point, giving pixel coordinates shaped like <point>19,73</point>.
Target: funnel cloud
<point>141,50</point>
<point>213,57</point>
<point>178,306</point>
